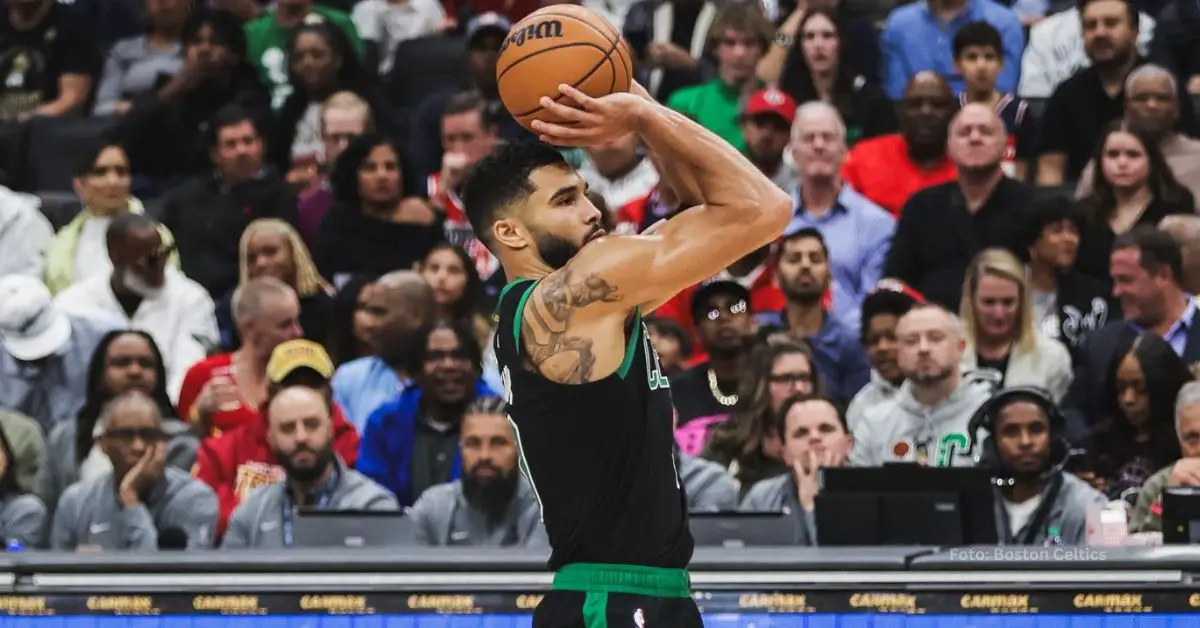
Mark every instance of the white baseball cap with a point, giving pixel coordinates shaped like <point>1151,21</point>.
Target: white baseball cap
<point>31,328</point>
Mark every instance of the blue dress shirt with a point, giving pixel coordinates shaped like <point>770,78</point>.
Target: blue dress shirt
<point>915,40</point>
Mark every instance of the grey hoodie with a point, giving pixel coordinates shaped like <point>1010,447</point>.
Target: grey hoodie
<point>443,516</point>
<point>23,518</point>
<point>780,493</point>
<point>258,521</point>
<point>1066,522</point>
<point>61,467</point>
<point>707,486</point>
<point>90,513</point>
<point>903,430</point>
<point>876,392</point>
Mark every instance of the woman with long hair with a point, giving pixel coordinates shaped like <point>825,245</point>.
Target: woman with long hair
<point>747,444</point>
<point>271,247</point>
<point>997,315</point>
<point>1133,186</point>
<point>1137,436</point>
<point>458,291</point>
<point>819,67</point>
<point>103,183</point>
<point>374,227</point>
<point>322,62</point>
<point>349,339</point>
<point>124,361</point>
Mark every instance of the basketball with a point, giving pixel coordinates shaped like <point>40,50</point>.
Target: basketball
<point>562,43</point>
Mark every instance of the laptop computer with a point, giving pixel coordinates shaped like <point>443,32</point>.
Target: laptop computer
<point>351,528</point>
<point>745,529</point>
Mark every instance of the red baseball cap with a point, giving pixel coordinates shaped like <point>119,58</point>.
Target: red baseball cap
<point>771,100</point>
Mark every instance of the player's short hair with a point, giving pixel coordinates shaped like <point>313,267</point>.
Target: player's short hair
<point>501,180</point>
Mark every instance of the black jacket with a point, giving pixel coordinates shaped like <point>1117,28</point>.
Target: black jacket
<point>1176,44</point>
<point>349,243</point>
<point>937,236</point>
<point>208,217</point>
<point>1081,306</point>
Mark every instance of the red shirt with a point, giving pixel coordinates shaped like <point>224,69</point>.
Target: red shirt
<point>458,228</point>
<point>193,383</point>
<point>240,460</point>
<point>880,169</point>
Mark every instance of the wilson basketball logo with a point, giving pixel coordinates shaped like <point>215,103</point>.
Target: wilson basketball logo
<point>550,29</point>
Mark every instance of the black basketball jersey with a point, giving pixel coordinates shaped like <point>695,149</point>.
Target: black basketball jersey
<point>600,455</point>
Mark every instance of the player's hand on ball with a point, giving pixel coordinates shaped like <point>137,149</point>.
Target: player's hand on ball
<point>589,121</point>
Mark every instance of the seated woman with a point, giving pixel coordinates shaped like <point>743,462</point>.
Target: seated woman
<point>374,227</point>
<point>272,248</point>
<point>124,361</point>
<point>997,313</point>
<point>1135,186</point>
<point>459,294</point>
<point>79,250</point>
<point>1136,437</point>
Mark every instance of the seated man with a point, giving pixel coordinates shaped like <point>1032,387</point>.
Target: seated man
<point>142,293</point>
<point>492,505</point>
<point>142,501</point>
<point>1042,504</point>
<point>814,436</point>
<point>1147,513</point>
<point>300,433</point>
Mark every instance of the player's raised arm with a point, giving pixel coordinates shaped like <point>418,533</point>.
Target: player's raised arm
<point>739,209</point>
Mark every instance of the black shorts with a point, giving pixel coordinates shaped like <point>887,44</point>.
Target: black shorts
<point>588,595</point>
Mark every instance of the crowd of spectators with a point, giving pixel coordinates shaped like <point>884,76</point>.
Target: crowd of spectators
<point>236,275</point>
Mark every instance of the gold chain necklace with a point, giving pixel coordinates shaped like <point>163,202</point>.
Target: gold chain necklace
<point>722,398</point>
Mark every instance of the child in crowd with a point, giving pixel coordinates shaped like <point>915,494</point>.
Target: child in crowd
<point>979,58</point>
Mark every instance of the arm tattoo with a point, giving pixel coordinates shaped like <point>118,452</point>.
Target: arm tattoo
<point>546,323</point>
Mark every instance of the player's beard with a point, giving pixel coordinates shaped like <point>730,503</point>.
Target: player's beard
<point>555,251</point>
<point>491,495</point>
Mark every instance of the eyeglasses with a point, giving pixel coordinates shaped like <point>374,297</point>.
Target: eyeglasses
<point>735,309</point>
<point>790,378</point>
<point>129,434</point>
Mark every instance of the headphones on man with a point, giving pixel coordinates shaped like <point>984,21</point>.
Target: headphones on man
<point>987,454</point>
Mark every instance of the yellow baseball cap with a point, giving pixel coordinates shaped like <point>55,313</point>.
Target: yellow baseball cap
<point>296,354</point>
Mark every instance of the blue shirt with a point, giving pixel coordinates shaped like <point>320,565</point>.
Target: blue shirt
<point>914,40</point>
<point>858,234</point>
<point>361,386</point>
<point>1177,334</point>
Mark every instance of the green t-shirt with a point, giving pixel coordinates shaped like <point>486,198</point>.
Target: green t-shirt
<point>266,45</point>
<point>714,106</point>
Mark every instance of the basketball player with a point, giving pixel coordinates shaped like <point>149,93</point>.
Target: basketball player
<point>588,401</point>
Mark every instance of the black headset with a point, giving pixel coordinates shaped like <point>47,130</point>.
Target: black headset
<point>988,456</point>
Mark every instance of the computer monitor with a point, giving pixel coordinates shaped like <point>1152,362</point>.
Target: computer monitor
<point>745,529</point>
<point>1181,515</point>
<point>351,528</point>
<point>906,504</point>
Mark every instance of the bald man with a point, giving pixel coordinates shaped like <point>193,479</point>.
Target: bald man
<point>1152,102</point>
<point>941,228</point>
<point>396,307</point>
<point>888,169</point>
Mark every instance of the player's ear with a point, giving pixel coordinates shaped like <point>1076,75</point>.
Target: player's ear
<point>509,233</point>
